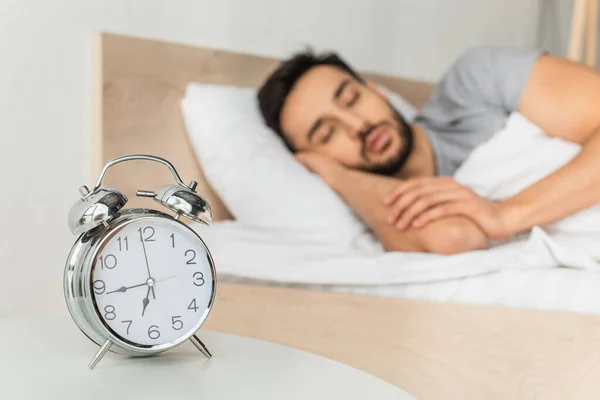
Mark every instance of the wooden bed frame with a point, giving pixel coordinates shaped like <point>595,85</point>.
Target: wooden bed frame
<point>433,350</point>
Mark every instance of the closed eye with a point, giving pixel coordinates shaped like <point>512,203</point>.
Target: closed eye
<point>328,135</point>
<point>353,100</point>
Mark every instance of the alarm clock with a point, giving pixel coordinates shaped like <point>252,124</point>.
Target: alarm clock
<point>139,281</point>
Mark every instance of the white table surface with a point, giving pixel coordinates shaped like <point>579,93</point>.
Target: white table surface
<point>47,358</point>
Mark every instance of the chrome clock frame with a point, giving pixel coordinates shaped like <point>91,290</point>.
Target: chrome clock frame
<point>96,218</point>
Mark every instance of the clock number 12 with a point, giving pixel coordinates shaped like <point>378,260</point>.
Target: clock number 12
<point>149,231</point>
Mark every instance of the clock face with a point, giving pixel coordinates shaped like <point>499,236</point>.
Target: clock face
<point>152,282</point>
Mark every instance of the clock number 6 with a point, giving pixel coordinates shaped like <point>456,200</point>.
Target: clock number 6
<point>198,276</point>
<point>153,332</point>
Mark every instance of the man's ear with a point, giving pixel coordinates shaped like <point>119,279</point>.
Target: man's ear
<point>372,86</point>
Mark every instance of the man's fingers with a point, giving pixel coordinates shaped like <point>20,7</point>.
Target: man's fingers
<point>426,202</point>
<point>416,183</point>
<point>407,199</point>
<point>442,211</point>
<point>401,204</point>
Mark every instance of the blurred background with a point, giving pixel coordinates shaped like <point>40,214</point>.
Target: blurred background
<point>46,74</point>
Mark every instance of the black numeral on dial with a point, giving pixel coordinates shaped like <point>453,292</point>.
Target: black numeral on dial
<point>147,235</point>
<point>128,322</point>
<point>108,261</point>
<point>193,306</point>
<point>177,323</point>
<point>153,332</point>
<point>172,239</point>
<point>99,286</point>
<point>123,243</point>
<point>109,313</point>
<point>199,279</point>
<point>192,255</point>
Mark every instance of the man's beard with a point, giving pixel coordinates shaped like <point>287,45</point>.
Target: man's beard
<point>398,160</point>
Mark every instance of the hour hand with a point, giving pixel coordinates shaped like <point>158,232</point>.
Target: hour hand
<point>123,289</point>
<point>146,301</point>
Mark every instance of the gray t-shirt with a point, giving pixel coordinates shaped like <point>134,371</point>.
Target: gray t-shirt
<point>473,100</point>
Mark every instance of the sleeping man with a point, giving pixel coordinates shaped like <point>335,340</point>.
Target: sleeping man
<point>397,176</point>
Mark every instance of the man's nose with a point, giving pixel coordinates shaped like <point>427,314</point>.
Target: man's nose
<point>356,125</point>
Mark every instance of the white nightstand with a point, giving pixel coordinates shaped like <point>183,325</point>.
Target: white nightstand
<point>47,358</point>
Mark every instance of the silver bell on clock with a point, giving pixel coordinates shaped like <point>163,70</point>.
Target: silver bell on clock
<point>139,281</point>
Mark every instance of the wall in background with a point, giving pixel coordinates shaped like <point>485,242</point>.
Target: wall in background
<point>45,89</point>
<point>554,26</point>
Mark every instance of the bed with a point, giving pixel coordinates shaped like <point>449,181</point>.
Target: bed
<point>433,349</point>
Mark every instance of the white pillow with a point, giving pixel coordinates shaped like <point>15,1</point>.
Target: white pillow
<point>254,174</point>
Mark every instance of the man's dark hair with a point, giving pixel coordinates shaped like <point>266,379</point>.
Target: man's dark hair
<point>278,85</point>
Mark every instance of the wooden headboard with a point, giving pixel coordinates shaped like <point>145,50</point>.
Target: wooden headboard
<point>139,86</point>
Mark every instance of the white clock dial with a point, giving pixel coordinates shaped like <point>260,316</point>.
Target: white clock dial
<point>152,282</point>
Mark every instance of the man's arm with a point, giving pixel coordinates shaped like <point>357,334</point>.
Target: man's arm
<point>561,97</point>
<point>364,191</point>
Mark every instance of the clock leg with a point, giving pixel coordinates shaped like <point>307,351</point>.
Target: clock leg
<point>200,346</point>
<point>103,349</point>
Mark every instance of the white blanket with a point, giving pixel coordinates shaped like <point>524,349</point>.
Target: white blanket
<point>513,159</point>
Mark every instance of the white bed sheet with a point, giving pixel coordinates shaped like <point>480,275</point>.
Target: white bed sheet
<point>526,274</point>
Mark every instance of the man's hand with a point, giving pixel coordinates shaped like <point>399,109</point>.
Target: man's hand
<point>321,165</point>
<point>419,201</point>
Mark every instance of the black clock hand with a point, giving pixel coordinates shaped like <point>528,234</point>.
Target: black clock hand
<point>123,289</point>
<point>146,301</point>
<point>147,264</point>
<point>145,255</point>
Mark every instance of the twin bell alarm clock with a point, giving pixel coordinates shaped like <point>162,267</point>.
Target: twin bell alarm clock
<point>139,281</point>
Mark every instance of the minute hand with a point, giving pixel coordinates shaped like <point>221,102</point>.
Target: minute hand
<point>147,264</point>
<point>145,254</point>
